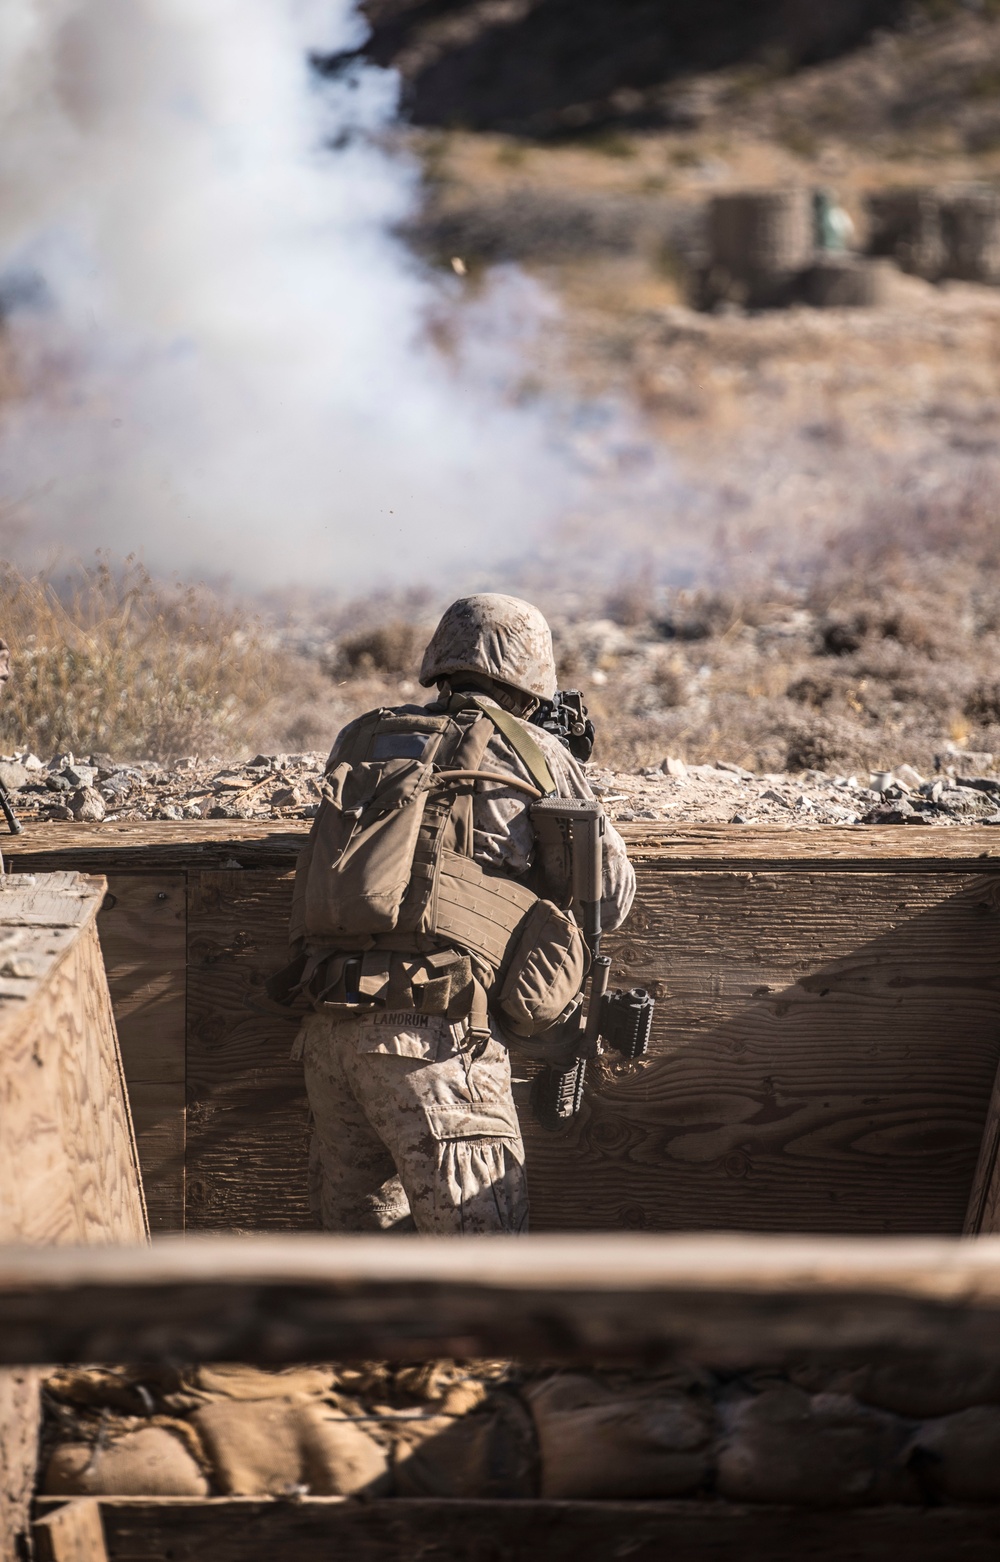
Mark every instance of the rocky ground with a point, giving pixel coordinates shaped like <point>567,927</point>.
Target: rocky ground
<point>287,786</point>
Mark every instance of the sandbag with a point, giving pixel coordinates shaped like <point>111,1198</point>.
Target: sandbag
<point>599,1441</point>
<point>487,1453</point>
<point>923,1390</point>
<point>233,1380</point>
<point>785,1446</point>
<point>958,1456</point>
<point>154,1461</point>
<point>281,1447</point>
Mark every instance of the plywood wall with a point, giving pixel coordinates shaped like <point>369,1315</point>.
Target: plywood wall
<point>68,1165</point>
<point>827,1033</point>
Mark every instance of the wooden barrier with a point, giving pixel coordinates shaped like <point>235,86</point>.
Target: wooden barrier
<point>68,1167</point>
<point>827,1033</point>
<point>727,1302</point>
<point>247,1529</point>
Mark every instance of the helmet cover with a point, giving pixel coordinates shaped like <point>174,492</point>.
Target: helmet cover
<point>499,637</point>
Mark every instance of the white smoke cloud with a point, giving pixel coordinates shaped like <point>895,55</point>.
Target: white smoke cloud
<point>221,347</point>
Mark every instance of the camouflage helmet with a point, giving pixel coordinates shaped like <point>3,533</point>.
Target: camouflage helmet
<point>498,637</point>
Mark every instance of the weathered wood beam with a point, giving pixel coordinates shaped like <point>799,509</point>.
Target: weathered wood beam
<point>171,846</point>
<point>726,1301</point>
<point>983,1217</point>
<point>70,1533</point>
<point>316,1529</point>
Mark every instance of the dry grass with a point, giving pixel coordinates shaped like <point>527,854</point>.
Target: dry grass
<point>879,649</point>
<point>108,660</point>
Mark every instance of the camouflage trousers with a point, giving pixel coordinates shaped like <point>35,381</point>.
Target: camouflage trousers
<point>414,1127</point>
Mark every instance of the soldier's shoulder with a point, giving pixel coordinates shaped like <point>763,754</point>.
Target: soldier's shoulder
<point>567,773</point>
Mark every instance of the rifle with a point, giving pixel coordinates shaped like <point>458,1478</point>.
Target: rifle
<point>7,809</point>
<point>565,716</point>
<point>621,1019</point>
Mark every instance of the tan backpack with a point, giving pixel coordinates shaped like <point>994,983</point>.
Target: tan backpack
<point>389,899</point>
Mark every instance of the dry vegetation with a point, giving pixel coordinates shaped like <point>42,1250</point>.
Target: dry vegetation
<point>812,579</point>
<point>107,659</point>
<point>883,651</point>
<point>879,648</point>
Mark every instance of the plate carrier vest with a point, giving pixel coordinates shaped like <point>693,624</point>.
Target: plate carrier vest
<point>392,907</point>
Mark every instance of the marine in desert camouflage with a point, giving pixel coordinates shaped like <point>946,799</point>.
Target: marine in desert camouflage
<point>414,1123</point>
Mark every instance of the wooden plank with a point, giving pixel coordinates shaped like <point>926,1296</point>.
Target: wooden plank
<point>143,929</point>
<point>143,932</point>
<point>175,846</point>
<point>825,1045</point>
<point>68,1169</point>
<point>73,1532</point>
<point>62,899</point>
<point>983,1214</point>
<point>158,1116</point>
<point>803,1074</point>
<point>247,1113</point>
<point>318,1529</point>
<point>822,1059</point>
<point>168,846</point>
<point>724,1301</point>
<point>20,1419</point>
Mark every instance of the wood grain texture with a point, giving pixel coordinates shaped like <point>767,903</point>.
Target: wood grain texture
<point>823,1055</point>
<point>983,1214</point>
<point>68,1170</point>
<point>825,1045</point>
<point>176,846</point>
<point>72,1532</point>
<point>316,1530</point>
<point>143,929</point>
<point>63,899</point>
<point>67,1161</point>
<point>728,1302</point>
<point>20,1416</point>
<point>158,1117</point>
<point>247,1114</point>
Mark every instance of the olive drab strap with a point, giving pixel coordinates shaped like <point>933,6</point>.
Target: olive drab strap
<point>517,735</point>
<point>446,824</point>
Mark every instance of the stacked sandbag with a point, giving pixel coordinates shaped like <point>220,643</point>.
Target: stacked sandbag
<point>917,1391</point>
<point>844,282</point>
<point>620,1438</point>
<point>162,1459</point>
<point>431,1430</point>
<point>814,1437</point>
<point>783,1445</point>
<point>970,220</point>
<point>485,1452</point>
<point>905,225</point>
<point>759,241</point>
<point>289,1447</point>
<point>957,1458</point>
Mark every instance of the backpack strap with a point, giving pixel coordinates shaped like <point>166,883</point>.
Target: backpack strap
<point>528,751</point>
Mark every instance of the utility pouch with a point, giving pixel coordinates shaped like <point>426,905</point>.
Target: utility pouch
<point>365,837</point>
<point>543,972</point>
